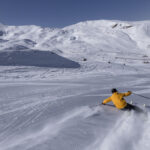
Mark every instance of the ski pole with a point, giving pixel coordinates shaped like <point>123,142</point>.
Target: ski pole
<point>144,105</point>
<point>141,96</point>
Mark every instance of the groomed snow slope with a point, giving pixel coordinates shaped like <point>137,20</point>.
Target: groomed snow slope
<point>63,114</point>
<point>52,80</point>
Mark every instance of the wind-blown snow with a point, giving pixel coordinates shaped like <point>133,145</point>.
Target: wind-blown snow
<point>52,80</point>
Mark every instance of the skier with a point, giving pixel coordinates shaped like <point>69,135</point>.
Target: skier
<point>119,101</point>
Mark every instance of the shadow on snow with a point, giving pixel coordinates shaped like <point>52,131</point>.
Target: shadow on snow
<point>35,58</point>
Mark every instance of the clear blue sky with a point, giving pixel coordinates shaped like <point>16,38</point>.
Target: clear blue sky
<point>60,13</point>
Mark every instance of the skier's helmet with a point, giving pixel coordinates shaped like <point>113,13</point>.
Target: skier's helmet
<point>114,90</point>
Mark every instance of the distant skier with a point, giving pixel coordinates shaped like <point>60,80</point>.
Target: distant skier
<point>119,101</point>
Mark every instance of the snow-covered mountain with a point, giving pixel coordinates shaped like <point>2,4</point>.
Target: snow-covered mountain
<point>99,46</point>
<point>53,80</point>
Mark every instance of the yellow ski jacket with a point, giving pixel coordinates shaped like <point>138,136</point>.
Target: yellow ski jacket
<point>117,99</point>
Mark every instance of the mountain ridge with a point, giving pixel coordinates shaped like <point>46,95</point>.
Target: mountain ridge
<point>98,46</point>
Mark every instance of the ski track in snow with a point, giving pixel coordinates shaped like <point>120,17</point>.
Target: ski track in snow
<point>46,133</point>
<point>34,119</point>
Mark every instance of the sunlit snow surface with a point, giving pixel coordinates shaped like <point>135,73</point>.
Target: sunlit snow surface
<point>62,114</point>
<point>52,81</point>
